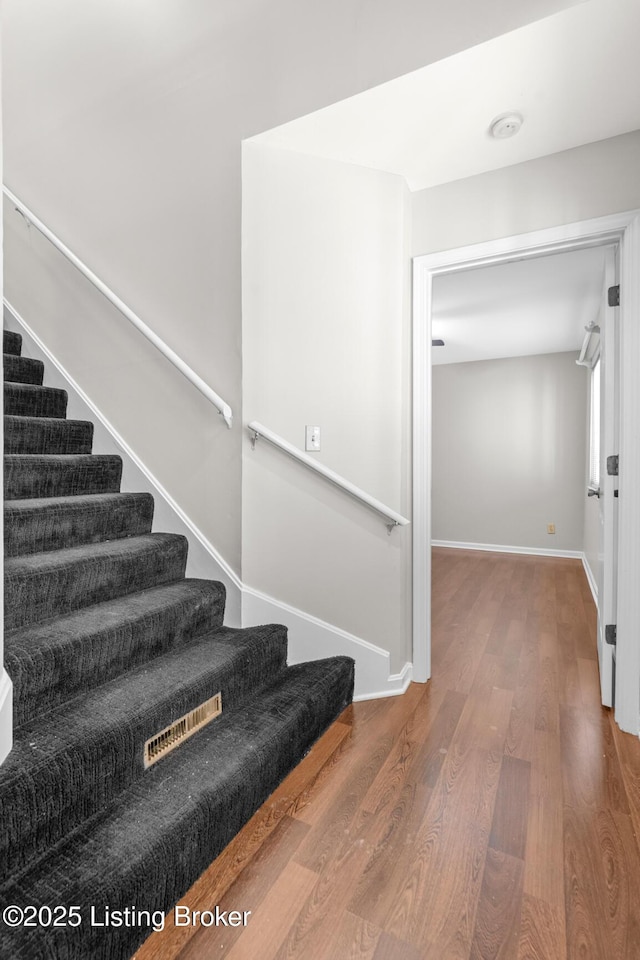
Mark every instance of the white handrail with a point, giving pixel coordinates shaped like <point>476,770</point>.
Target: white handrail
<point>223,408</point>
<point>394,519</point>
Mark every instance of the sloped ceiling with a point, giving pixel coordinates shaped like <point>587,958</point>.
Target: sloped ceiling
<point>574,77</point>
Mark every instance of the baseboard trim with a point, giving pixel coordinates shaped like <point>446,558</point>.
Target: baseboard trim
<point>502,548</point>
<point>6,714</point>
<point>591,580</point>
<point>397,684</point>
<point>310,638</point>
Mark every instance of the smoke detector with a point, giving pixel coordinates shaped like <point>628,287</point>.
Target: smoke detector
<point>506,125</point>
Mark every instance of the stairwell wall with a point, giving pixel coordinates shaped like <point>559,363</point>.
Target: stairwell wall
<point>123,130</point>
<point>326,337</point>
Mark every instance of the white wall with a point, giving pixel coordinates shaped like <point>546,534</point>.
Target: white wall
<point>326,335</point>
<point>509,452</point>
<point>123,129</point>
<point>589,181</point>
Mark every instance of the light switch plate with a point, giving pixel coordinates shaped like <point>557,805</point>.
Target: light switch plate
<point>312,439</point>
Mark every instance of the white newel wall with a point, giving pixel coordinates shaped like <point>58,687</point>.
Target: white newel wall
<point>326,340</point>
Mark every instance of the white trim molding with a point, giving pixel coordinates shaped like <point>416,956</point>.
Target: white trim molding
<point>502,548</point>
<point>6,714</point>
<point>30,218</point>
<point>311,638</point>
<point>622,229</point>
<point>591,580</point>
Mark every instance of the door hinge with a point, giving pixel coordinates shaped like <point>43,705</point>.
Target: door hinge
<point>613,296</point>
<point>610,633</point>
<point>612,465</point>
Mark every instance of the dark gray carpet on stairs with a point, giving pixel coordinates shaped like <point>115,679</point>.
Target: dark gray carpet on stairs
<point>107,644</point>
<point>105,732</point>
<point>28,476</point>
<point>46,435</point>
<point>11,342</point>
<point>29,400</point>
<point>148,847</point>
<point>53,523</point>
<point>22,369</point>
<point>43,585</point>
<point>54,661</point>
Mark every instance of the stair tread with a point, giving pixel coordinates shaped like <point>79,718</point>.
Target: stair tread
<point>157,837</point>
<point>11,343</point>
<point>52,661</point>
<point>31,399</point>
<point>45,422</point>
<point>29,475</point>
<point>39,524</point>
<point>131,698</point>
<point>101,735</point>
<point>18,369</point>
<point>36,504</point>
<point>86,552</point>
<point>46,435</point>
<point>41,586</point>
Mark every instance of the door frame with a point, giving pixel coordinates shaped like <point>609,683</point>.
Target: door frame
<point>621,228</point>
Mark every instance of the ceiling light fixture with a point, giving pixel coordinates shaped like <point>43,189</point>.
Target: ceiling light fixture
<point>506,125</point>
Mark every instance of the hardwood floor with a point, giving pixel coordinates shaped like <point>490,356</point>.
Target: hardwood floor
<point>492,813</point>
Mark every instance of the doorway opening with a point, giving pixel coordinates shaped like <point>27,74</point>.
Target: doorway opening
<point>622,230</point>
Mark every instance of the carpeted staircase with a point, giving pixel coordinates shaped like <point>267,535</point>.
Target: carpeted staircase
<point>107,645</point>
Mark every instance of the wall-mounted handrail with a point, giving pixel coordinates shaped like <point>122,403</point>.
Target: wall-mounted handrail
<point>392,518</point>
<point>223,408</point>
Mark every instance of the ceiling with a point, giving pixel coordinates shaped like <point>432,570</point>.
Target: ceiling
<point>573,76</point>
<point>515,309</point>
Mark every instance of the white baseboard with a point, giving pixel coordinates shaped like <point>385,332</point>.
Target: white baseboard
<point>591,580</point>
<point>6,714</point>
<point>311,638</point>
<point>501,548</point>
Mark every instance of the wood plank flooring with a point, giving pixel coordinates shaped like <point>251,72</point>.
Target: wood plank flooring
<point>492,813</point>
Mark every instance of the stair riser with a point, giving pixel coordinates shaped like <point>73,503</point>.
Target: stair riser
<point>37,813</point>
<point>40,435</point>
<point>35,595</point>
<point>26,478</point>
<point>178,837</point>
<point>27,400</point>
<point>45,676</point>
<point>38,526</point>
<point>11,343</point>
<point>23,369</point>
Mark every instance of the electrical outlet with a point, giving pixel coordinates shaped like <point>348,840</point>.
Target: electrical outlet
<point>551,528</point>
